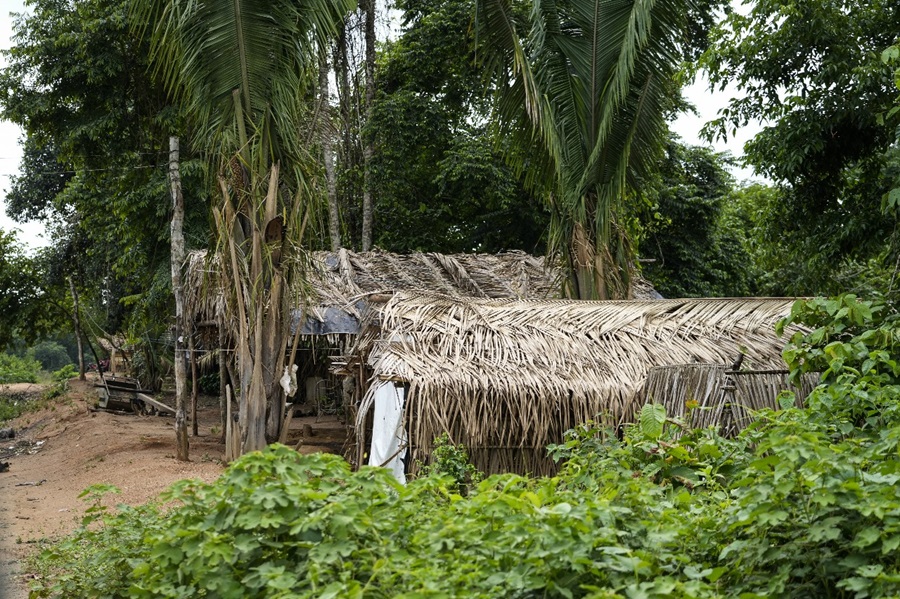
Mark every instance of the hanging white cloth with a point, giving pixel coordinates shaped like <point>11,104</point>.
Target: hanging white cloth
<point>389,439</point>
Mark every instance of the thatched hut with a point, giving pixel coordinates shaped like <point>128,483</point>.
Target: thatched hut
<point>338,290</point>
<point>340,287</point>
<point>509,377</point>
<point>340,284</point>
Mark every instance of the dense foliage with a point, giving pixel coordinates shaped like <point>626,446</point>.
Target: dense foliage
<point>812,70</point>
<point>50,354</point>
<point>694,238</point>
<point>14,369</point>
<point>96,130</point>
<point>20,281</point>
<point>803,503</point>
<point>441,184</point>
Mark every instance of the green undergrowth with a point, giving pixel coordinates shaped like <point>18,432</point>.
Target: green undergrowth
<point>803,503</point>
<point>14,369</point>
<point>13,405</point>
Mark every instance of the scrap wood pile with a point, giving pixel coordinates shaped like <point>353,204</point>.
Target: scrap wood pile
<point>509,377</point>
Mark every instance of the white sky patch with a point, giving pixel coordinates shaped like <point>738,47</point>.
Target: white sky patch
<point>32,234</point>
<point>708,104</point>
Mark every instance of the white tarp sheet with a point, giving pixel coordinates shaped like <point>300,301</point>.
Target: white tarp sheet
<point>389,439</point>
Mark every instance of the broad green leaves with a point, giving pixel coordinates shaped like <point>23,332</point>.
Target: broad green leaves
<point>653,419</point>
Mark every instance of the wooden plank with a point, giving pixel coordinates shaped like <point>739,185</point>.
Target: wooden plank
<point>156,404</point>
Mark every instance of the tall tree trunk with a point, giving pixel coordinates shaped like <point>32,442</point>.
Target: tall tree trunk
<point>346,155</point>
<point>342,74</point>
<point>76,320</point>
<point>368,150</point>
<point>195,383</point>
<point>253,266</point>
<point>181,436</point>
<point>334,224</point>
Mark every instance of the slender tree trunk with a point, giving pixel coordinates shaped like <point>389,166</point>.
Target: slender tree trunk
<point>368,150</point>
<point>76,319</point>
<point>334,224</point>
<point>223,377</point>
<point>181,436</point>
<point>195,384</point>
<point>346,156</point>
<point>342,74</point>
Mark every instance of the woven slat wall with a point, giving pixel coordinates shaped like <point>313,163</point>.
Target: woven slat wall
<point>674,386</point>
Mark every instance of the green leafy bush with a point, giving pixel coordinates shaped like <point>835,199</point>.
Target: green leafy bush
<point>60,380</point>
<point>14,369</point>
<point>803,503</point>
<point>50,354</point>
<point>452,460</point>
<point>11,407</point>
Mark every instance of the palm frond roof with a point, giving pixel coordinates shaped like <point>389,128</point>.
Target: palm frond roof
<point>504,373</point>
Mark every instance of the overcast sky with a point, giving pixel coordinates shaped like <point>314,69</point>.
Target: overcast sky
<point>10,152</point>
<point>687,126</point>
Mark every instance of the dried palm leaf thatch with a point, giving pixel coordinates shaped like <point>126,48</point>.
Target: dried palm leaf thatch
<point>509,377</point>
<point>342,279</point>
<point>723,398</point>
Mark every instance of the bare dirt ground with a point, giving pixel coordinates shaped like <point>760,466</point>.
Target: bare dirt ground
<point>61,450</point>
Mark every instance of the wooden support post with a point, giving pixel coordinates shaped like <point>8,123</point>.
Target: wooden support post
<point>229,425</point>
<point>195,384</point>
<point>223,376</point>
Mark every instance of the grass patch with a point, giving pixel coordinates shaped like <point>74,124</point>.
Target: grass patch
<point>13,406</point>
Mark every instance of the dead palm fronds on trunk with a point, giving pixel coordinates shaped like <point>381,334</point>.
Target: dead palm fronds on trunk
<point>512,376</point>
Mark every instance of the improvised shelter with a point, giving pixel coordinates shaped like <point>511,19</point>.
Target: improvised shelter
<point>339,283</point>
<point>342,286</point>
<point>345,283</point>
<point>508,377</point>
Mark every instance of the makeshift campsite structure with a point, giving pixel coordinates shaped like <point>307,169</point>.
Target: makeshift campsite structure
<point>507,377</point>
<point>341,284</point>
<point>338,289</point>
<point>341,287</point>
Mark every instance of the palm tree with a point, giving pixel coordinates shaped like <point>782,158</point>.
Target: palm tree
<point>583,89</point>
<point>245,74</point>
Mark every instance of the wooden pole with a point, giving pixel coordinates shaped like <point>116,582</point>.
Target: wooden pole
<point>181,437</point>
<point>195,385</point>
<point>223,376</point>
<point>77,321</point>
<point>229,444</point>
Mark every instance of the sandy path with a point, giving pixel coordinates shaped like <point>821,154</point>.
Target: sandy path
<point>81,448</point>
